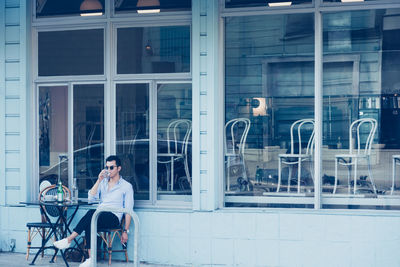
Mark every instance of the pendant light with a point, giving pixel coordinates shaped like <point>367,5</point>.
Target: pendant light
<point>91,5</point>
<point>148,4</point>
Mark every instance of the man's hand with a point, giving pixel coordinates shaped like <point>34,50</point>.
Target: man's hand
<point>102,174</point>
<point>124,237</point>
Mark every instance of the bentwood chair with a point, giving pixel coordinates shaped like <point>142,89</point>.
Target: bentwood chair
<point>178,137</point>
<point>108,235</point>
<point>302,137</point>
<point>235,135</point>
<point>43,228</point>
<point>396,162</point>
<point>359,149</point>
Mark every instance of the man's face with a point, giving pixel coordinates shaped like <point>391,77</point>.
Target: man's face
<point>111,166</point>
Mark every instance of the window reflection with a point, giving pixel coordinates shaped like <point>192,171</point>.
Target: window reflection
<point>153,50</point>
<point>269,82</point>
<point>88,122</point>
<point>53,134</point>
<point>361,83</point>
<point>133,136</point>
<point>174,149</point>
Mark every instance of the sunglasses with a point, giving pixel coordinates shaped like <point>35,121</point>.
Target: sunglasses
<point>110,167</point>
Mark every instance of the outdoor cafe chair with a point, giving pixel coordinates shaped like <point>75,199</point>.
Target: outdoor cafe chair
<point>108,235</point>
<point>43,228</point>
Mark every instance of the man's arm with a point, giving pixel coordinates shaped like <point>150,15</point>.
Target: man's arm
<point>129,205</point>
<point>95,187</point>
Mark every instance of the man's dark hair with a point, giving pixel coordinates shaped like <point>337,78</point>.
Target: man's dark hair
<point>114,157</point>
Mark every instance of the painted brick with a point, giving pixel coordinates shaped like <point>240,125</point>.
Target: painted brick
<point>12,34</point>
<point>222,251</point>
<point>179,250</point>
<point>313,227</point>
<point>12,142</point>
<point>290,226</point>
<point>338,228</point>
<point>267,252</point>
<point>267,226</point>
<point>12,16</point>
<point>12,52</point>
<point>222,225</point>
<point>179,225</point>
<point>12,70</point>
<point>13,178</point>
<point>12,88</point>
<point>12,106</point>
<point>158,250</point>
<point>244,226</point>
<point>200,251</point>
<point>387,253</point>
<point>363,254</point>
<point>160,224</point>
<point>200,224</point>
<point>339,254</point>
<point>13,160</point>
<point>244,252</point>
<point>12,3</point>
<point>12,124</point>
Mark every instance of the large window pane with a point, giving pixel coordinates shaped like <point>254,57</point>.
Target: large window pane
<point>53,133</point>
<point>269,85</point>
<point>75,52</point>
<point>361,83</point>
<point>153,50</point>
<point>46,8</point>
<point>174,149</point>
<point>88,121</point>
<point>133,136</point>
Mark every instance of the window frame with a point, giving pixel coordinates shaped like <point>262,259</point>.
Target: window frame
<point>318,9</point>
<point>109,22</point>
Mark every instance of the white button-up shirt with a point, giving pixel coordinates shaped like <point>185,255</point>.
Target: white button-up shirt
<point>120,196</point>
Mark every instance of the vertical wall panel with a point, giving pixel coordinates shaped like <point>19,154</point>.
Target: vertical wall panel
<point>2,104</point>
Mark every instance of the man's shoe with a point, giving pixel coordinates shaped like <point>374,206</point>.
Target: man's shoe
<point>62,244</point>
<point>86,263</point>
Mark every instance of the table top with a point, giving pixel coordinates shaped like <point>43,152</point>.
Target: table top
<point>59,204</point>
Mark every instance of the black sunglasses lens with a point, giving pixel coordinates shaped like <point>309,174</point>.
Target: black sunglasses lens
<point>109,168</point>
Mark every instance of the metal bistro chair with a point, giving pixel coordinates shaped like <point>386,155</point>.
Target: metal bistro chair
<point>298,130</point>
<point>43,228</point>
<point>357,152</point>
<point>108,235</point>
<point>234,147</point>
<point>178,136</point>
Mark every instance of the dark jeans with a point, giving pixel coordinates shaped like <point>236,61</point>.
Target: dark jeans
<point>105,220</point>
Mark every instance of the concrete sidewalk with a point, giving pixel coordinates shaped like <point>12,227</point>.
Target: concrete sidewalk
<point>18,259</point>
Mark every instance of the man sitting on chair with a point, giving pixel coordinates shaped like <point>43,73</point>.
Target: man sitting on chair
<point>112,191</point>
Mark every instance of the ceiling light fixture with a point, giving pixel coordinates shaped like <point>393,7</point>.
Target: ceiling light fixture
<point>147,4</point>
<point>280,4</point>
<point>351,1</point>
<point>91,5</point>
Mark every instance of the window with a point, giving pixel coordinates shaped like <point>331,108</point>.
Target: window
<point>88,109</point>
<point>362,86</point>
<point>153,50</point>
<point>174,141</point>
<point>71,52</point>
<point>51,8</point>
<point>133,136</point>
<point>269,85</point>
<point>269,90</point>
